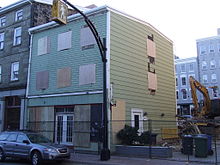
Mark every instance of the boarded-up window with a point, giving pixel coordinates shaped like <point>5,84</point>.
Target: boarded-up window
<point>81,135</point>
<point>42,79</point>
<point>64,41</point>
<point>43,46</point>
<point>87,39</point>
<point>64,77</point>
<point>151,48</point>
<point>152,81</point>
<point>87,74</point>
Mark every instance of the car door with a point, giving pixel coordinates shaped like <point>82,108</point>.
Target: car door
<point>22,149</point>
<point>10,144</point>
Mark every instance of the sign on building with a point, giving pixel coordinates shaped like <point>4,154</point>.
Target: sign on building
<point>59,12</point>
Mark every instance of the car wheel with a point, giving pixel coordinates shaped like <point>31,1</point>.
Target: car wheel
<point>36,158</point>
<point>59,161</point>
<point>2,155</point>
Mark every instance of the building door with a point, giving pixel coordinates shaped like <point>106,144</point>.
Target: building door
<point>64,128</point>
<point>12,113</point>
<point>137,119</point>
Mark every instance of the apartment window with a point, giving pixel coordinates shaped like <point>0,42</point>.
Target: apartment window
<point>14,71</point>
<point>2,38</point>
<point>218,47</point>
<point>151,64</point>
<point>190,94</point>
<point>87,39</point>
<point>215,92</point>
<point>2,21</point>
<point>43,45</point>
<point>184,94</point>
<point>177,95</point>
<point>183,68</point>
<point>202,49</point>
<point>205,78</point>
<point>183,80</point>
<point>17,36</point>
<point>18,15</point>
<point>204,65</point>
<point>0,73</point>
<point>212,64</point>
<point>211,48</point>
<point>191,67</point>
<point>64,41</point>
<point>213,78</point>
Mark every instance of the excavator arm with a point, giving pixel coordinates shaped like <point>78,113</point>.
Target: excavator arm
<point>206,109</point>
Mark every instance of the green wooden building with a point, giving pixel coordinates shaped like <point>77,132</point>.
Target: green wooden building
<point>64,93</point>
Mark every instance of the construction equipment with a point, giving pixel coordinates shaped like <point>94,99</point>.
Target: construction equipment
<point>206,109</point>
<point>210,108</point>
<point>201,115</point>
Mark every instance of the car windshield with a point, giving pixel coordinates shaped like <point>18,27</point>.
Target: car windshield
<point>38,138</point>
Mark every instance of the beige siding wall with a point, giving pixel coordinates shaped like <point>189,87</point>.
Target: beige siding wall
<point>128,71</point>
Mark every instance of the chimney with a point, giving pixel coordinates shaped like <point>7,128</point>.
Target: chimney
<point>91,6</point>
<point>218,31</point>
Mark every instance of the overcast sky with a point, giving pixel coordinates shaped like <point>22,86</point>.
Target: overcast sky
<point>183,21</point>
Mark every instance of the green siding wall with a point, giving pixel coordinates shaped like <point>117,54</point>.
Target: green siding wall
<point>73,58</point>
<point>128,69</point>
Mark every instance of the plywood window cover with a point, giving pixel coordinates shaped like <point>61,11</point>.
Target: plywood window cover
<point>151,48</point>
<point>43,45</point>
<point>42,80</point>
<point>64,41</point>
<point>87,74</point>
<point>63,77</point>
<point>152,81</point>
<point>87,39</point>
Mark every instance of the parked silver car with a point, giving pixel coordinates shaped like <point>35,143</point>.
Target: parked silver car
<point>32,146</point>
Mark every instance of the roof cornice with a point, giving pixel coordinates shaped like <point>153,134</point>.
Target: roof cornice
<point>93,11</point>
<point>14,5</point>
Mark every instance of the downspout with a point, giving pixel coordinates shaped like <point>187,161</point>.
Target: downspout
<point>27,85</point>
<point>28,79</point>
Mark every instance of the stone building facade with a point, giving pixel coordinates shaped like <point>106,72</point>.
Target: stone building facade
<point>15,20</point>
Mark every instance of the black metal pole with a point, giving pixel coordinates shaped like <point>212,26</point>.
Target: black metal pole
<point>105,152</point>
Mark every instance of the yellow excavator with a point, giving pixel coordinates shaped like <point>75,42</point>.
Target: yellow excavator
<point>210,108</point>
<point>201,115</point>
<point>205,111</point>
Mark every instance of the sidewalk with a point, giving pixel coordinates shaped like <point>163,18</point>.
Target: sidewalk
<point>91,159</point>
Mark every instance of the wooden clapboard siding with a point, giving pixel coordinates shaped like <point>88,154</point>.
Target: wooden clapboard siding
<point>71,58</point>
<point>128,70</point>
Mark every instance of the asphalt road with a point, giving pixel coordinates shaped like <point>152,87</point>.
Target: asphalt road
<point>24,162</point>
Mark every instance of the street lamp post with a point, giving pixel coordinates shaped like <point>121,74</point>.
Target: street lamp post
<point>105,152</point>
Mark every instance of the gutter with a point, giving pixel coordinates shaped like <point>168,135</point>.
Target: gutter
<point>94,11</point>
<point>69,18</point>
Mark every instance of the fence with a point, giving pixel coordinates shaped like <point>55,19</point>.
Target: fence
<point>157,139</point>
